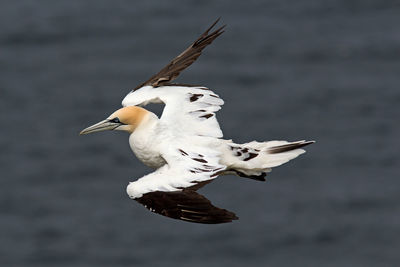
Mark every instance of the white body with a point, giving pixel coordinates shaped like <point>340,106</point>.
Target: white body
<point>185,144</point>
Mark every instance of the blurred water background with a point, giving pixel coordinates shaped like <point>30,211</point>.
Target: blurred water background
<point>289,70</point>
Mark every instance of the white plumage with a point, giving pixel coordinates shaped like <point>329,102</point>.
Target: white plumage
<point>183,141</point>
<point>185,107</point>
<point>185,144</point>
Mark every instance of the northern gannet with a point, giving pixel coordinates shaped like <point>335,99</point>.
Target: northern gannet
<point>185,144</point>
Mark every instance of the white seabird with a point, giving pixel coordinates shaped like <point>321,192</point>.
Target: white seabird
<point>185,144</point>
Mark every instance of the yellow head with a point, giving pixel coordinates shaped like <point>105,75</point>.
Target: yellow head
<point>124,119</point>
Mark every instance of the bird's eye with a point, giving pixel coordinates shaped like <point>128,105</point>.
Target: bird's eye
<point>115,120</point>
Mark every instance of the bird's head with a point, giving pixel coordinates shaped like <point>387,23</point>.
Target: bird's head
<point>124,119</point>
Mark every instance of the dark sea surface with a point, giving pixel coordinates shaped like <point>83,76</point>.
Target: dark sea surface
<point>320,70</point>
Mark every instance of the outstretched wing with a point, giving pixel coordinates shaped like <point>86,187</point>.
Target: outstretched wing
<point>186,205</point>
<point>189,161</point>
<point>186,107</point>
<point>170,190</point>
<point>183,60</point>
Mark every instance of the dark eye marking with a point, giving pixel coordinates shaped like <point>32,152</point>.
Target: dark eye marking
<point>115,120</point>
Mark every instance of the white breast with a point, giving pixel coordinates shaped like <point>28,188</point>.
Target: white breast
<point>144,143</point>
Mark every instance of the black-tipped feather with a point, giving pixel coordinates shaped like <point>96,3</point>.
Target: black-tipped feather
<point>288,147</point>
<point>186,205</point>
<point>183,60</point>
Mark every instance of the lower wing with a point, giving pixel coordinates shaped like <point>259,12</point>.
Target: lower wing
<point>186,205</point>
<point>171,189</point>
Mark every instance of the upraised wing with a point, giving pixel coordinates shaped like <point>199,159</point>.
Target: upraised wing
<point>183,60</point>
<point>191,109</point>
<point>186,107</point>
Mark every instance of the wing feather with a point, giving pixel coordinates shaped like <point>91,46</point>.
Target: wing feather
<point>184,59</point>
<point>170,190</point>
<point>186,205</point>
<point>188,109</point>
<point>189,164</point>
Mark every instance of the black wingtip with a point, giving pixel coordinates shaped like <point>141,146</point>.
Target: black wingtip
<point>209,36</point>
<point>186,205</point>
<point>215,23</point>
<point>184,59</point>
<point>289,147</point>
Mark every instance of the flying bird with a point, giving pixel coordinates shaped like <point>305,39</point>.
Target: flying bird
<point>185,145</point>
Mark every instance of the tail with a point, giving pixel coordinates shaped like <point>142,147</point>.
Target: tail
<point>253,160</point>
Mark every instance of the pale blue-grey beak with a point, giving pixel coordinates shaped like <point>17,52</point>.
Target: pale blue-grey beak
<point>100,126</point>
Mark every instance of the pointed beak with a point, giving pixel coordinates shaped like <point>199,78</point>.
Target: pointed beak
<point>100,126</point>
